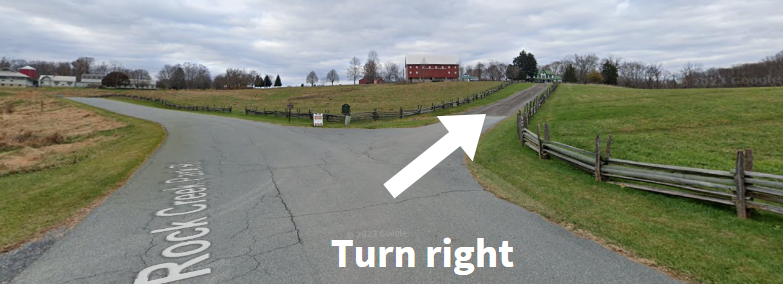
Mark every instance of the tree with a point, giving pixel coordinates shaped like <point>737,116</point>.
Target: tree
<point>178,78</point>
<point>392,72</point>
<point>527,64</point>
<point>609,72</point>
<point>278,83</point>
<point>354,69</point>
<point>512,72</point>
<point>312,79</point>
<point>259,82</point>
<point>82,65</point>
<point>115,79</point>
<point>594,77</point>
<point>4,63</point>
<point>267,81</point>
<point>332,76</point>
<point>371,71</point>
<point>479,70</point>
<point>570,74</point>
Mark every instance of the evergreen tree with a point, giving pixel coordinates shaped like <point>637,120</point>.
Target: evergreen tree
<point>609,72</point>
<point>527,64</point>
<point>258,82</point>
<point>277,82</point>
<point>570,74</point>
<point>267,81</point>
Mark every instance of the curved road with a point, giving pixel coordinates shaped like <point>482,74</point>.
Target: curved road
<point>276,196</point>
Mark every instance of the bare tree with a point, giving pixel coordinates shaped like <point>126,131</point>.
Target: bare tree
<point>391,72</point>
<point>371,71</point>
<point>496,70</point>
<point>480,70</point>
<point>354,69</point>
<point>82,65</point>
<point>332,76</point>
<point>312,79</point>
<point>512,71</point>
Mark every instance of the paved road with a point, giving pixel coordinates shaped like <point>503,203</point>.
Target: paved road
<point>277,196</point>
<point>510,105</point>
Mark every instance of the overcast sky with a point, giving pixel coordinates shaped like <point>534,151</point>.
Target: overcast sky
<point>292,37</point>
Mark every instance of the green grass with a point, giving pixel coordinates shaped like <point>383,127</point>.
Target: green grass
<point>699,242</point>
<point>700,128</point>
<point>34,202</point>
<point>413,121</point>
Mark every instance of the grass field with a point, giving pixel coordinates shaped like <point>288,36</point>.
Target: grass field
<point>56,164</point>
<point>362,98</point>
<point>696,241</point>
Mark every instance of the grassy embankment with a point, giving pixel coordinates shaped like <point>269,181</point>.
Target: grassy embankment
<point>696,241</point>
<point>59,159</point>
<point>362,98</point>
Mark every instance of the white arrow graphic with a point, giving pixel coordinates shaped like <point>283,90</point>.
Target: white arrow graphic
<point>464,131</point>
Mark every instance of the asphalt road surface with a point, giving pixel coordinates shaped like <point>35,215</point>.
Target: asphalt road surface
<point>277,196</point>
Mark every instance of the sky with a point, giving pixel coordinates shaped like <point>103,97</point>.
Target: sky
<point>293,37</point>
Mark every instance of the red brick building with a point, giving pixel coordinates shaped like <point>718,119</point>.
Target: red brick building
<point>431,67</point>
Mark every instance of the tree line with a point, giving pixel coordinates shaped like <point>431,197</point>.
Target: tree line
<point>76,68</point>
<point>178,77</point>
<point>611,70</point>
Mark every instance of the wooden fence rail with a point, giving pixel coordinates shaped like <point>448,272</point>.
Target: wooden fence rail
<point>168,104</point>
<point>375,115</point>
<point>741,187</point>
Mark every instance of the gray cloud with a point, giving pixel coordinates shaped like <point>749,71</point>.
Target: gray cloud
<point>291,38</point>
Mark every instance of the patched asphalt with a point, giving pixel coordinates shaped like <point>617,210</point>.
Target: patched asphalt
<point>277,196</point>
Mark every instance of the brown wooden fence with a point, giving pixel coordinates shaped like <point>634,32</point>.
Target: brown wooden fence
<point>741,187</point>
<point>376,115</point>
<point>168,104</point>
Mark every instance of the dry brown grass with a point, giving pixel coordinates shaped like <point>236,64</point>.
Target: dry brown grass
<point>39,131</point>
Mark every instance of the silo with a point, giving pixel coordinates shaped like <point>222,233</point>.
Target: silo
<point>30,72</point>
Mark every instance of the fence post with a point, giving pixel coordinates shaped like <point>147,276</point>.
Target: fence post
<point>546,132</point>
<point>400,112</point>
<point>749,160</point>
<point>375,115</point>
<point>519,125</point>
<point>739,178</point>
<point>598,158</point>
<point>608,148</point>
<point>540,145</point>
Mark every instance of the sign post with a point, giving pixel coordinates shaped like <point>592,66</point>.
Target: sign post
<point>290,107</point>
<point>318,119</point>
<point>347,113</point>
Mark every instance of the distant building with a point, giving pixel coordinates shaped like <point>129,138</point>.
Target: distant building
<point>143,84</point>
<point>467,78</point>
<point>29,71</point>
<point>368,81</point>
<point>547,76</point>
<point>10,78</point>
<point>57,81</point>
<point>90,80</point>
<point>431,67</point>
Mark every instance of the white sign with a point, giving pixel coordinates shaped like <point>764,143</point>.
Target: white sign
<point>318,119</point>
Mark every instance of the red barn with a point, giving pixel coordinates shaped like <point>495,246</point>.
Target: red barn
<point>368,81</point>
<point>431,67</point>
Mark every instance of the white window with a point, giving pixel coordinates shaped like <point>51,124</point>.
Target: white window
<point>417,72</point>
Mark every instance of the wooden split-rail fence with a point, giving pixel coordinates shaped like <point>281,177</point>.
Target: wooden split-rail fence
<point>168,104</point>
<point>380,115</point>
<point>742,187</point>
